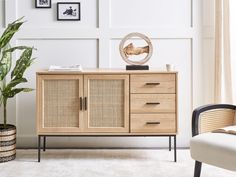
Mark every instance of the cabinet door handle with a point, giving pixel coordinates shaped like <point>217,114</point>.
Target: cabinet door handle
<point>85,103</point>
<point>152,83</point>
<point>81,103</point>
<point>153,123</point>
<point>152,103</point>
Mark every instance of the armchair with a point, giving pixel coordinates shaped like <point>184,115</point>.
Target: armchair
<point>218,149</point>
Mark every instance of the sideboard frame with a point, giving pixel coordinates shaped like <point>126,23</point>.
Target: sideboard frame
<point>100,72</point>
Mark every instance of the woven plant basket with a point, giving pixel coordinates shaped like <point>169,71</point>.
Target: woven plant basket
<point>7,143</point>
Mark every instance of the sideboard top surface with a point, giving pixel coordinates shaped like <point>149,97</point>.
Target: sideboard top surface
<point>106,71</point>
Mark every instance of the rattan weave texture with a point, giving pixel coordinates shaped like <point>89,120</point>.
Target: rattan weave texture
<point>106,103</point>
<point>214,119</point>
<point>61,105</point>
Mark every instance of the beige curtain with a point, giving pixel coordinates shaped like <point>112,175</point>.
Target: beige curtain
<point>223,79</point>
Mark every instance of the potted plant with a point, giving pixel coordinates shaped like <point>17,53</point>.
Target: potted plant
<point>9,85</point>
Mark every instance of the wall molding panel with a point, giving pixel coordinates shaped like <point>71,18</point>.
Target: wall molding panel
<point>176,34</point>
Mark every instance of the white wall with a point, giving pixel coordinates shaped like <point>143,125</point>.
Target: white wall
<point>173,25</point>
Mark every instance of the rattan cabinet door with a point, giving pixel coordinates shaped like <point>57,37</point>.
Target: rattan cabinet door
<point>107,103</point>
<point>59,102</point>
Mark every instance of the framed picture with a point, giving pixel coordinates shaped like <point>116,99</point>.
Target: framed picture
<point>43,3</point>
<point>68,11</point>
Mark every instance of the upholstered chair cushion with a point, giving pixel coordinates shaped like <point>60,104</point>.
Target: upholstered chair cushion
<point>217,149</point>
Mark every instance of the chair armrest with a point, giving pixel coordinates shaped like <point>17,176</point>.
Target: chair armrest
<point>230,109</point>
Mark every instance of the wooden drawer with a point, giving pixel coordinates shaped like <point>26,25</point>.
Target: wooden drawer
<point>152,103</point>
<point>152,83</point>
<point>153,123</point>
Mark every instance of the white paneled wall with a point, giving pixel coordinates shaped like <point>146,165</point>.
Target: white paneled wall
<point>173,25</point>
<point>151,13</point>
<point>44,18</point>
<point>2,11</point>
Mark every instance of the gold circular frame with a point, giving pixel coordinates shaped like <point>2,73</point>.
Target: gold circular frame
<point>126,58</point>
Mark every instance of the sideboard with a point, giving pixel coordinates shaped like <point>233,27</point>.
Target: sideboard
<point>108,102</point>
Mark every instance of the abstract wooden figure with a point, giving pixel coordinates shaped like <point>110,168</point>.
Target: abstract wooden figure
<point>131,50</point>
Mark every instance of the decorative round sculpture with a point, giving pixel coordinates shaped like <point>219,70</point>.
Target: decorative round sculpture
<point>130,49</point>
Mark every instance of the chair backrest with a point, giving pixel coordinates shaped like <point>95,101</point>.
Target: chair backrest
<point>235,118</point>
<point>214,119</point>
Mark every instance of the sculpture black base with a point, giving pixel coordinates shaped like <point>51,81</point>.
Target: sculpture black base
<point>137,67</point>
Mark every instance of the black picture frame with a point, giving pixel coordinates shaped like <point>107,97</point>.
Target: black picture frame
<point>62,9</point>
<point>38,5</point>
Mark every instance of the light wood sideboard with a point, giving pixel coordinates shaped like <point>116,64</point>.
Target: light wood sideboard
<point>107,103</point>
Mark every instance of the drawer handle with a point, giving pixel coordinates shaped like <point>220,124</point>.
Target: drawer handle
<point>152,83</point>
<point>152,103</point>
<point>153,123</point>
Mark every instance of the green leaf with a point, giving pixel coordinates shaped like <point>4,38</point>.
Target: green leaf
<point>18,20</point>
<point>22,63</point>
<point>28,90</point>
<point>9,32</point>
<point>17,48</point>
<point>11,93</point>
<point>15,82</point>
<point>6,60</point>
<point>5,64</point>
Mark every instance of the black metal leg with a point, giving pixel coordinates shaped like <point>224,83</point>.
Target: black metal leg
<point>175,155</point>
<point>197,169</point>
<point>44,143</point>
<point>169,143</point>
<point>39,147</point>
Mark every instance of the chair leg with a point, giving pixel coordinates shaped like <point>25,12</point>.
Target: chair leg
<point>197,170</point>
<point>169,143</point>
<point>44,143</point>
<point>175,151</point>
<point>39,147</point>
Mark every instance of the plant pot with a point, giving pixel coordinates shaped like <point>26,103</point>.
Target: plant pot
<point>7,143</point>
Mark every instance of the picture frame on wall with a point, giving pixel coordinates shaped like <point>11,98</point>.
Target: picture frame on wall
<point>68,11</point>
<point>43,3</point>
